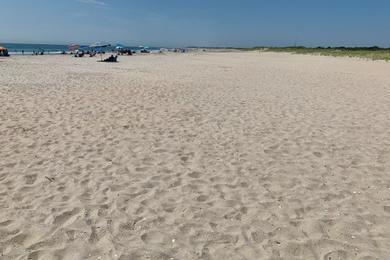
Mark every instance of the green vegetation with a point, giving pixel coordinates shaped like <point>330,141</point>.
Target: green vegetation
<point>374,53</point>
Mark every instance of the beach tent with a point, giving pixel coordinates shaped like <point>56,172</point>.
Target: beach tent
<point>3,51</point>
<point>99,47</point>
<point>83,48</point>
<point>144,49</point>
<point>78,47</point>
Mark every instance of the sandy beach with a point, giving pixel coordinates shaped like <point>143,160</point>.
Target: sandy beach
<point>209,156</point>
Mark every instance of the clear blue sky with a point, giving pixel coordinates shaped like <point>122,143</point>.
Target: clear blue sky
<point>197,22</point>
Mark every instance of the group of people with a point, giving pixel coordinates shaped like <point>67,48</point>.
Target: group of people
<point>112,58</point>
<point>80,54</point>
<point>41,52</point>
<point>125,52</point>
<point>3,52</point>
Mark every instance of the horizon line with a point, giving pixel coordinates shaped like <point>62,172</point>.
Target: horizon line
<point>224,47</point>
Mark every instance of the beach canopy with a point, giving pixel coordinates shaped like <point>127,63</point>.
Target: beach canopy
<point>83,47</point>
<point>99,45</point>
<point>2,48</point>
<point>119,47</point>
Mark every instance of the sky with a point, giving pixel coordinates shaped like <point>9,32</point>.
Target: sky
<point>181,23</point>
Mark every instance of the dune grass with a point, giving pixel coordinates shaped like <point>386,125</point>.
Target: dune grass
<point>373,53</point>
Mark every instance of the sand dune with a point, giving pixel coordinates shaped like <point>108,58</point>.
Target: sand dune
<point>195,156</point>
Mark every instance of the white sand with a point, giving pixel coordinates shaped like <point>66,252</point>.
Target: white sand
<point>195,156</point>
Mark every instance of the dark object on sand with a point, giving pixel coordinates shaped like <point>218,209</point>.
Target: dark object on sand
<point>125,52</point>
<point>111,59</point>
<point>4,52</point>
<point>41,52</point>
<point>50,179</point>
<point>79,54</point>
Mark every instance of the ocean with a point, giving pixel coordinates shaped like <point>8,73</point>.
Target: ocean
<point>28,48</point>
<point>14,48</point>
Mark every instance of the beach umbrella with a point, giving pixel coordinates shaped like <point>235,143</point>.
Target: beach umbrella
<point>119,47</point>
<point>2,48</point>
<point>74,47</point>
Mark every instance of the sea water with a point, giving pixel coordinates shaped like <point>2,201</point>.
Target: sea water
<point>17,48</point>
<point>29,48</point>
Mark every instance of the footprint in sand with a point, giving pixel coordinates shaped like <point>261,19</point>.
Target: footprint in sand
<point>153,237</point>
<point>336,255</point>
<point>34,255</point>
<point>195,175</point>
<point>18,239</point>
<point>30,179</point>
<point>202,198</point>
<point>258,236</point>
<point>66,216</point>
<point>5,223</point>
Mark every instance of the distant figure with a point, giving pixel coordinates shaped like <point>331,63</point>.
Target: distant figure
<point>22,52</point>
<point>79,54</point>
